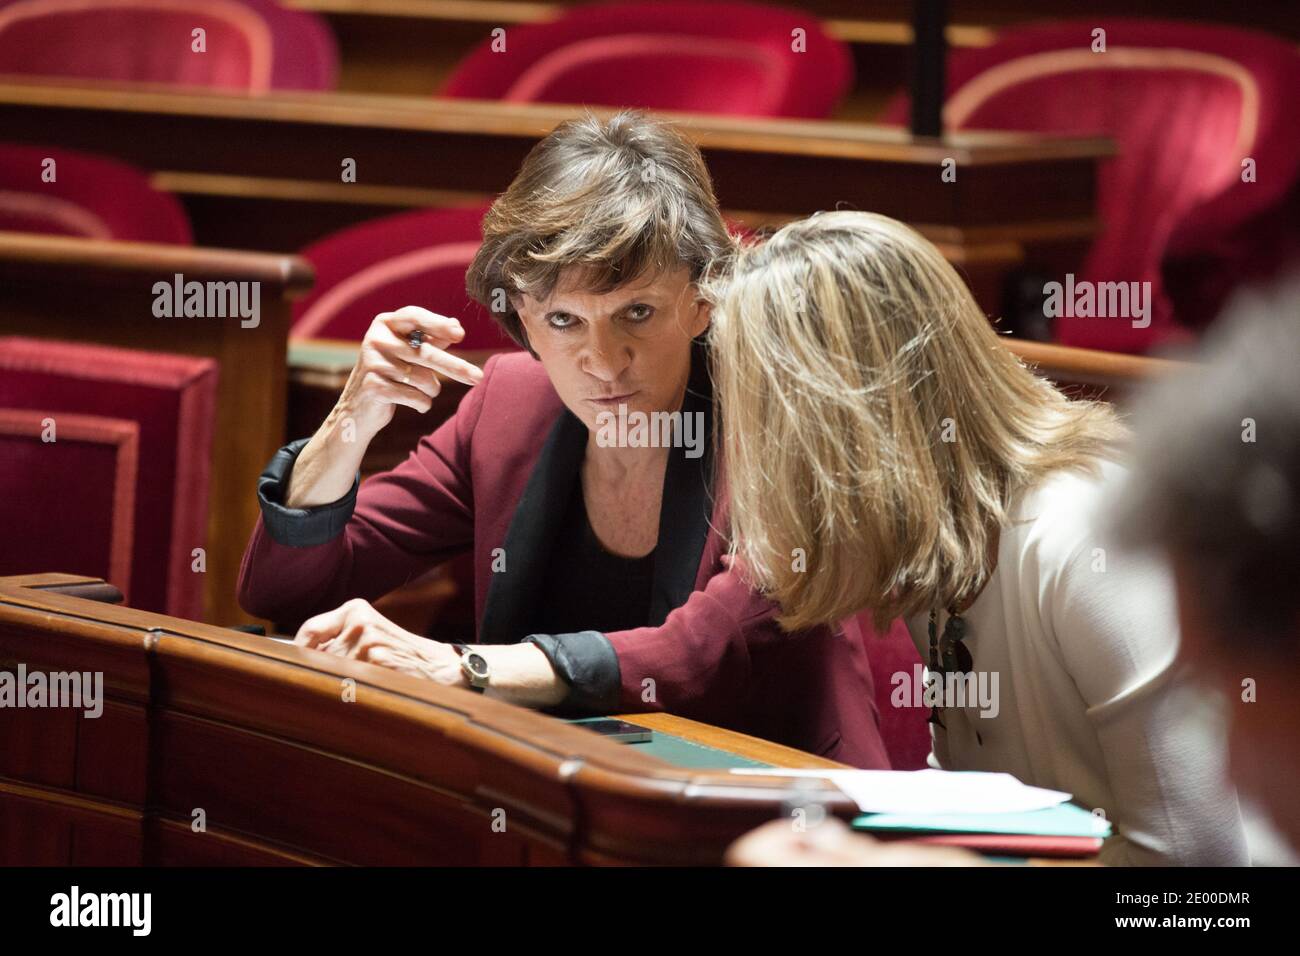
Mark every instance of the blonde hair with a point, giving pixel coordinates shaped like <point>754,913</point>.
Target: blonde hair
<point>872,421</point>
<point>619,199</point>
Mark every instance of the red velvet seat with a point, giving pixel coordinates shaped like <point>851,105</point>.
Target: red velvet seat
<point>730,58</point>
<point>253,45</point>
<point>171,400</point>
<point>68,503</point>
<point>1186,105</point>
<point>904,730</point>
<point>90,197</point>
<point>413,258</point>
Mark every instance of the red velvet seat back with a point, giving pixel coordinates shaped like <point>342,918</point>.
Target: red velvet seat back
<point>1186,104</point>
<point>172,401</point>
<point>414,258</point>
<point>730,58</point>
<point>68,504</point>
<point>253,45</point>
<point>905,730</point>
<point>66,193</point>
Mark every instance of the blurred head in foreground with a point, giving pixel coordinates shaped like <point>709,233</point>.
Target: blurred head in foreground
<point>1217,485</point>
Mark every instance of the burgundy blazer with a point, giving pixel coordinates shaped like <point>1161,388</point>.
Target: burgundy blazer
<point>496,476</point>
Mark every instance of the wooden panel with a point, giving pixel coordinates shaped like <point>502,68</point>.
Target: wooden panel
<point>272,790</point>
<point>112,753</point>
<point>175,843</point>
<point>32,834</point>
<point>51,827</point>
<point>39,745</point>
<point>106,845</point>
<point>60,288</point>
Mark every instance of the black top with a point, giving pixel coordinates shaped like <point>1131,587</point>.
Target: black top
<point>608,592</point>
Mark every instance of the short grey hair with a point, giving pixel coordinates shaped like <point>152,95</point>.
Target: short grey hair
<point>1217,469</point>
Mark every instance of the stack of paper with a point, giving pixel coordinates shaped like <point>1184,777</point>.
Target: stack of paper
<point>993,812</point>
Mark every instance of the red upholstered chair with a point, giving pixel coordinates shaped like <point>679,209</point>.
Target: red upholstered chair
<point>171,399</point>
<point>1186,104</point>
<point>89,197</point>
<point>253,45</point>
<point>905,730</point>
<point>412,258</point>
<point>731,58</point>
<point>68,504</point>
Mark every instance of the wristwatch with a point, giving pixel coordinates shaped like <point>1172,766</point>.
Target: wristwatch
<point>474,666</point>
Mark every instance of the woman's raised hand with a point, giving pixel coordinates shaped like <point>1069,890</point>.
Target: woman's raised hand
<point>390,372</point>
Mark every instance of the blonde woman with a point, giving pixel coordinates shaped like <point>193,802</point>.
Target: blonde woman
<point>875,428</point>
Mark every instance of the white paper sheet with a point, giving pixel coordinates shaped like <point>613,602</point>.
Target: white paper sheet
<point>928,791</point>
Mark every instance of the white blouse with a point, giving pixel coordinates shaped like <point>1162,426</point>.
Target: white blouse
<point>1082,637</point>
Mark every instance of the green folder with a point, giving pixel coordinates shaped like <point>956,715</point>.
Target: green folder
<point>1062,820</point>
<point>685,753</point>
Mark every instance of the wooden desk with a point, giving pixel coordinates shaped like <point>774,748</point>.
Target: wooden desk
<point>263,172</point>
<point>93,291</point>
<point>255,737</point>
<point>743,745</point>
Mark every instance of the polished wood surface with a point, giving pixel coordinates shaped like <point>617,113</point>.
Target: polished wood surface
<point>415,151</point>
<point>1088,373</point>
<point>93,291</point>
<point>256,739</point>
<point>755,748</point>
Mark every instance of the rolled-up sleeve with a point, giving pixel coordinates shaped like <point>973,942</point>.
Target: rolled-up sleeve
<point>299,527</point>
<point>588,665</point>
<point>388,530</point>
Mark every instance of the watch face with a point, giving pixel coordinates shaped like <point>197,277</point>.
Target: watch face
<point>477,665</point>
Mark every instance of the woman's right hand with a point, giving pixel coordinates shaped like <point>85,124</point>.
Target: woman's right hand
<point>388,373</point>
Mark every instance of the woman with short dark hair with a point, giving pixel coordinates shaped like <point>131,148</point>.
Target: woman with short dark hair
<point>600,586</point>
